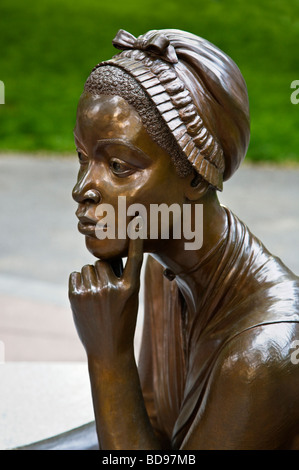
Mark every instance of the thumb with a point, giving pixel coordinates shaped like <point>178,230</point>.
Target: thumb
<point>135,253</point>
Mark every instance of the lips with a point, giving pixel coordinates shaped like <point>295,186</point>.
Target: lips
<point>88,226</point>
<point>87,229</point>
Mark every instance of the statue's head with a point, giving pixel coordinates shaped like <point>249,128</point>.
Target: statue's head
<point>175,98</point>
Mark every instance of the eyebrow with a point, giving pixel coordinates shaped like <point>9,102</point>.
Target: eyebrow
<point>123,142</point>
<point>79,142</point>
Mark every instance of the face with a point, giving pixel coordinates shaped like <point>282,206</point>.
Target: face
<point>118,158</point>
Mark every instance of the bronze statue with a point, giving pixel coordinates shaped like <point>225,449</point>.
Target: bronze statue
<point>166,120</point>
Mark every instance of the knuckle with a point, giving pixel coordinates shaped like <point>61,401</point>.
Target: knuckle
<point>100,264</point>
<point>86,267</point>
<point>129,288</point>
<point>75,294</point>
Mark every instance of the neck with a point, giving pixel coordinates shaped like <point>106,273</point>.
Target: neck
<point>192,268</point>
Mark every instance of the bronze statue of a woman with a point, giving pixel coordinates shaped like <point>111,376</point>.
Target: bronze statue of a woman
<point>166,121</point>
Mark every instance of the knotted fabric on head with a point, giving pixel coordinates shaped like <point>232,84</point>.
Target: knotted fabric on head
<point>153,42</point>
<point>199,92</point>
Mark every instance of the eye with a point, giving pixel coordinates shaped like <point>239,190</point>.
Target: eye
<point>82,158</point>
<point>120,168</point>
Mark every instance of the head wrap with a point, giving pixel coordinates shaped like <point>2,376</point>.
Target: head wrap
<point>199,92</point>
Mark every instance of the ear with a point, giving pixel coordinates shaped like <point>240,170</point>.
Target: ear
<point>195,187</point>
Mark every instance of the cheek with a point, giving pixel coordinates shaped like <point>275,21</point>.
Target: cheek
<point>163,193</point>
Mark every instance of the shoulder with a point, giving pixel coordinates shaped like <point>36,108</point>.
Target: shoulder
<point>261,352</point>
<point>260,367</point>
<point>251,400</point>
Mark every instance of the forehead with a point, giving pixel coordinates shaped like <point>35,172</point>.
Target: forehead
<point>106,116</point>
<point>112,118</point>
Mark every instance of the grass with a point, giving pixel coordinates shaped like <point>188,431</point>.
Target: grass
<point>49,47</point>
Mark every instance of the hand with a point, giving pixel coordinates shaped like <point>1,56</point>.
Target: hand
<point>105,306</point>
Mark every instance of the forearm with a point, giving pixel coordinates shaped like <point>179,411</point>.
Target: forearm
<point>121,418</point>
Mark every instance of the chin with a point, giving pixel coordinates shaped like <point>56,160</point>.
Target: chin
<point>106,249</point>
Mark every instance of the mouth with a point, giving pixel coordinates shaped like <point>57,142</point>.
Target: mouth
<point>90,229</point>
<point>87,229</point>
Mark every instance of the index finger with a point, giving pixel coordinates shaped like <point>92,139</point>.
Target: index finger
<point>135,258</point>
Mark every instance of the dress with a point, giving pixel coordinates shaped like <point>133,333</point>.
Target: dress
<point>249,289</point>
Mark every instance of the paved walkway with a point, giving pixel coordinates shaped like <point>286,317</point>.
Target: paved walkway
<point>40,246</point>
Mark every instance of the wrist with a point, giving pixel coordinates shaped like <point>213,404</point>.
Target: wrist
<point>112,361</point>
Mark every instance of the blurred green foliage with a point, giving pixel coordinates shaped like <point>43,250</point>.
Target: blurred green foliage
<point>48,47</point>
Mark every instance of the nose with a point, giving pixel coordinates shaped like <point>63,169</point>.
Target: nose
<point>84,190</point>
<point>92,195</point>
